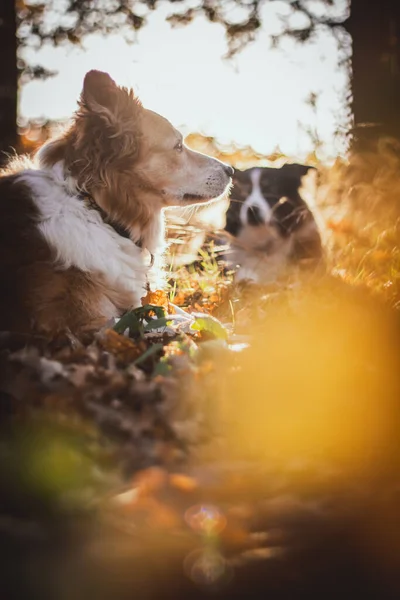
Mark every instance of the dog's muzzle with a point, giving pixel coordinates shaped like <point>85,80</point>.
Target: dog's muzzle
<point>254,216</point>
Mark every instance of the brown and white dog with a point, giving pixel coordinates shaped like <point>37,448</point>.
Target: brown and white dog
<point>81,225</point>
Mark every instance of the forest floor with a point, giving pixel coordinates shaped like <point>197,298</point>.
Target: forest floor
<point>222,438</point>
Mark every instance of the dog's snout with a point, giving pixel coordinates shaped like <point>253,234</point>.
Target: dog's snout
<point>254,216</point>
<point>228,169</point>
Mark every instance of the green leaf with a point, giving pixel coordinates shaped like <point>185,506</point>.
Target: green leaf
<point>210,325</point>
<point>156,323</point>
<point>149,352</point>
<point>133,320</point>
<point>128,321</point>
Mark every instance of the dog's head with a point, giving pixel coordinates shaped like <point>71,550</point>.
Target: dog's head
<point>178,175</point>
<point>266,204</point>
<point>124,154</point>
<point>268,196</point>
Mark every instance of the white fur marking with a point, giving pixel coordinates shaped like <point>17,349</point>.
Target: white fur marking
<point>255,199</point>
<point>80,238</point>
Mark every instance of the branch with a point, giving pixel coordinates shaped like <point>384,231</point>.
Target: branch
<point>241,19</point>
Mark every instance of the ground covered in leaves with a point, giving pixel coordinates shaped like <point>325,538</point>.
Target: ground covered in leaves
<point>220,439</point>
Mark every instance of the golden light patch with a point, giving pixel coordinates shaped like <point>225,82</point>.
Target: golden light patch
<point>318,382</point>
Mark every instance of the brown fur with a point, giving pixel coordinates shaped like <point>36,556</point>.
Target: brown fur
<point>125,157</point>
<point>34,296</point>
<point>101,147</point>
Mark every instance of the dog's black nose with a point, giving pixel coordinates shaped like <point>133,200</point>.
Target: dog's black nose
<point>254,216</point>
<point>229,170</point>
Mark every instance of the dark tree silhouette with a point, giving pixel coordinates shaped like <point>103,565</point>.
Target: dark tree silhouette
<point>373,25</point>
<point>375,31</point>
<point>8,74</point>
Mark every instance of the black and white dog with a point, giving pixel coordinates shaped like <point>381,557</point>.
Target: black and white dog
<point>270,222</point>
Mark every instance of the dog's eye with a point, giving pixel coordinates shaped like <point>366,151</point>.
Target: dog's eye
<point>178,146</point>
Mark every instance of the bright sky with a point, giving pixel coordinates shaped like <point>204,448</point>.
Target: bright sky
<point>258,98</point>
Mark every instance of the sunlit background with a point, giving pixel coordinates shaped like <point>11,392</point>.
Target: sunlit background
<point>258,98</point>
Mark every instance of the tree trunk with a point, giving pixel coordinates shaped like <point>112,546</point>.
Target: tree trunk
<point>8,78</point>
<point>375,29</point>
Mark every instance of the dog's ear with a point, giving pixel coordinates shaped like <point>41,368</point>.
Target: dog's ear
<point>99,93</point>
<point>304,169</point>
<point>296,170</point>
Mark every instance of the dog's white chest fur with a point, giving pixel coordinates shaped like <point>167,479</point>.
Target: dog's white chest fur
<point>81,239</point>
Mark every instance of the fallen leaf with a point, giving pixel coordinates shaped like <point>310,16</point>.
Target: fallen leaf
<point>184,483</point>
<point>158,298</point>
<point>151,480</point>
